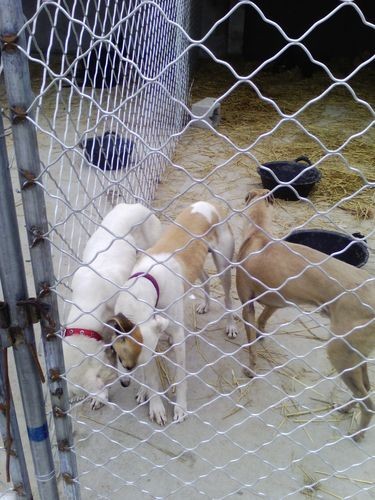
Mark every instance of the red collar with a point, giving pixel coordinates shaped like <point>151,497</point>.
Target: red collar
<point>82,331</point>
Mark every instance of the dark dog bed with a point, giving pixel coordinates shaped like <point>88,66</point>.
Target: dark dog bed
<point>344,247</point>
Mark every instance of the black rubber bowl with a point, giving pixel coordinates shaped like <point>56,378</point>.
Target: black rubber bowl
<point>274,172</point>
<point>331,242</point>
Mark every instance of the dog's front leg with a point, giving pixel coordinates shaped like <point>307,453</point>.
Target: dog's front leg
<point>142,393</point>
<point>101,394</point>
<point>156,406</point>
<point>180,408</point>
<point>248,314</point>
<point>263,318</point>
<point>203,306</point>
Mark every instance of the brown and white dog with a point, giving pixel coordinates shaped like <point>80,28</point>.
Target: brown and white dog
<point>108,259</point>
<point>160,282</point>
<point>278,274</point>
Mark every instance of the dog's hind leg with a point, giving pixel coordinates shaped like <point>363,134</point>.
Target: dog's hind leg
<point>354,380</point>
<point>343,358</point>
<point>203,306</point>
<point>263,318</point>
<point>366,380</point>
<point>222,263</point>
<point>248,314</point>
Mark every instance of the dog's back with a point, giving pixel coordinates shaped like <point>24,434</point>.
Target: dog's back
<point>109,257</point>
<point>314,277</point>
<point>189,237</point>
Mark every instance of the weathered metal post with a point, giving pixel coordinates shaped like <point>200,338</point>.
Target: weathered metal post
<point>16,464</point>
<point>8,419</point>
<point>18,87</point>
<point>21,337</point>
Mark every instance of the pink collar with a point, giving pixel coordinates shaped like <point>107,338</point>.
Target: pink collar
<point>153,281</point>
<point>82,331</point>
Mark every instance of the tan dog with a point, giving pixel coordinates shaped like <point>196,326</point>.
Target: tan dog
<point>300,275</point>
<point>161,280</point>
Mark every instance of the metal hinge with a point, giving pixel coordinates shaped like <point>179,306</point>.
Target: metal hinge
<point>34,308</point>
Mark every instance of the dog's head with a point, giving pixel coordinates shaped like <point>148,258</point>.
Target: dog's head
<point>134,344</point>
<point>264,194</point>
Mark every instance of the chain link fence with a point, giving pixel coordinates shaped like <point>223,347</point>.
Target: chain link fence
<point>163,104</point>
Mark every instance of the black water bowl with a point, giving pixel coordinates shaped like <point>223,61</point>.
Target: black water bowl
<point>331,242</point>
<point>274,172</point>
<point>108,152</point>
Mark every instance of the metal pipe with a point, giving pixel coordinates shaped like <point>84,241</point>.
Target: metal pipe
<point>13,281</point>
<point>12,441</point>
<point>18,87</point>
<point>8,419</point>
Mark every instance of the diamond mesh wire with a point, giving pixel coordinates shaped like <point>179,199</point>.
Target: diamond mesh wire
<point>279,434</point>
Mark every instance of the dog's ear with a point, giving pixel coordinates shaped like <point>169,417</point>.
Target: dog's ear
<point>121,323</point>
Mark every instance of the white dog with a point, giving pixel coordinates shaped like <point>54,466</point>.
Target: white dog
<point>160,281</point>
<point>108,259</point>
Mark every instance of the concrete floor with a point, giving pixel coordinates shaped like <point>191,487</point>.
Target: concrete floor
<point>272,436</point>
<point>275,436</point>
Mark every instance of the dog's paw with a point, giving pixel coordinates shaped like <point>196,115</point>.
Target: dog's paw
<point>96,404</point>
<point>231,331</point>
<point>142,395</point>
<point>179,414</point>
<point>157,411</point>
<point>358,436</point>
<point>347,407</point>
<point>202,307</point>
<point>125,381</point>
<point>250,373</point>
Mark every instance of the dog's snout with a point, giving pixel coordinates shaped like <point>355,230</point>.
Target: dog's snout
<point>125,381</point>
<point>127,366</point>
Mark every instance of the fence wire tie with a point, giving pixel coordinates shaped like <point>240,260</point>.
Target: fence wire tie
<point>67,477</point>
<point>30,178</point>
<point>63,445</point>
<point>58,412</point>
<point>9,42</point>
<point>37,234</point>
<point>19,114</point>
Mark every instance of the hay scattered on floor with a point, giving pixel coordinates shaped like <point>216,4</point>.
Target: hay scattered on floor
<point>339,183</point>
<point>329,121</point>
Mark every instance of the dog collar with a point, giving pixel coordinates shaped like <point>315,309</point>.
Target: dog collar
<point>82,331</point>
<point>153,281</point>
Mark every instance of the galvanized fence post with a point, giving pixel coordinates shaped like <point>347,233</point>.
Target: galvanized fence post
<point>21,336</point>
<point>15,459</point>
<point>16,470</point>
<point>18,87</point>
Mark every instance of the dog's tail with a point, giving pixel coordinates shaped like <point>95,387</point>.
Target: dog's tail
<point>136,220</point>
